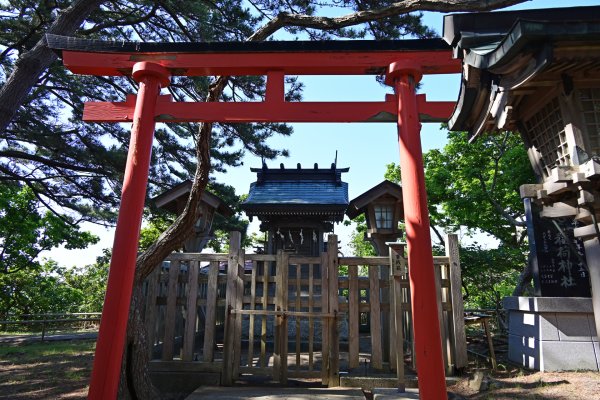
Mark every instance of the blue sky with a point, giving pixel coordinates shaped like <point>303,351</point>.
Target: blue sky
<point>365,148</point>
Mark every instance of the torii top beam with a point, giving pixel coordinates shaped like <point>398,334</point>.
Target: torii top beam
<point>273,59</point>
<point>350,57</point>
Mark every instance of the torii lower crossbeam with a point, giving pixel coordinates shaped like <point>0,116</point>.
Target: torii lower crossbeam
<point>151,64</point>
<point>268,111</point>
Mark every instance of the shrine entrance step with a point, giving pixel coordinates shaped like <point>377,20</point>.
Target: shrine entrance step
<point>275,393</point>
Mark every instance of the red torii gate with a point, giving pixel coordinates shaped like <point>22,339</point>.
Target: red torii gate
<point>152,64</point>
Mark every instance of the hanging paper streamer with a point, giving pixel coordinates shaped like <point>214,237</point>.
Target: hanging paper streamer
<point>290,236</point>
<point>314,236</point>
<point>280,235</point>
<point>301,237</point>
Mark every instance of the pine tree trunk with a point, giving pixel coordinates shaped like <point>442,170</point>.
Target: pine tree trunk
<point>135,378</point>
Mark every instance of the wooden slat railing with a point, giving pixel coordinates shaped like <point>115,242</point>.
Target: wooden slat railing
<point>190,300</point>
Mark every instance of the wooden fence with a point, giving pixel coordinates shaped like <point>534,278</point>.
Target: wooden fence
<point>44,323</point>
<point>288,316</point>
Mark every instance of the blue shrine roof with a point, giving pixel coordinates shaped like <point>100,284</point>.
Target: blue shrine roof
<point>300,192</point>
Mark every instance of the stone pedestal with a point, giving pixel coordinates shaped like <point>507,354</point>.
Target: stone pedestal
<point>552,333</point>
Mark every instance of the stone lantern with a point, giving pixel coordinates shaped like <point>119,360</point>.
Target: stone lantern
<point>174,200</point>
<point>537,72</point>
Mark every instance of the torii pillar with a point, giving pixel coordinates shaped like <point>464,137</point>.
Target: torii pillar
<point>104,382</point>
<point>403,76</point>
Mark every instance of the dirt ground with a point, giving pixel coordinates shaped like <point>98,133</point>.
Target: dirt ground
<point>512,382</point>
<point>33,371</point>
<point>47,370</point>
<point>517,384</point>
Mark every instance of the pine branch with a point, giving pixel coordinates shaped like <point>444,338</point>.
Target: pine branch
<point>401,7</point>
<point>31,64</point>
<point>15,154</point>
<point>123,21</point>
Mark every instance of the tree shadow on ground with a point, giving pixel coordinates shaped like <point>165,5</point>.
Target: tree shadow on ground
<point>44,371</point>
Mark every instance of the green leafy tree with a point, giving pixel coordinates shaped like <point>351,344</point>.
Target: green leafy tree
<point>37,290</point>
<point>26,229</point>
<point>360,246</point>
<point>28,284</point>
<point>475,186</point>
<point>90,281</point>
<point>489,274</point>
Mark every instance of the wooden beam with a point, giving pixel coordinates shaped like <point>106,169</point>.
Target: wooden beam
<point>267,111</point>
<point>530,190</point>
<point>558,210</point>
<point>250,63</point>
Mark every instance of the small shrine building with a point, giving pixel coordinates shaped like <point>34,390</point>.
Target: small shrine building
<point>297,206</point>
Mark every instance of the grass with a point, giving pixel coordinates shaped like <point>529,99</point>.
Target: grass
<point>36,351</point>
<point>46,370</point>
<point>49,331</point>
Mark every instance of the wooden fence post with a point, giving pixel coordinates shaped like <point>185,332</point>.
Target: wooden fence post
<point>375,314</point>
<point>353,317</point>
<point>457,329</point>
<point>325,322</point>
<point>391,325</point>
<point>437,273</point>
<point>228,373</point>
<point>171,311</point>
<point>397,270</point>
<point>334,339</point>
<point>150,312</point>
<point>280,356</point>
<point>211,312</point>
<point>189,337</point>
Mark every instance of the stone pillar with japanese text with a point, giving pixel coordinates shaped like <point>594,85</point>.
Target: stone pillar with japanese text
<point>558,258</point>
<point>554,329</point>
